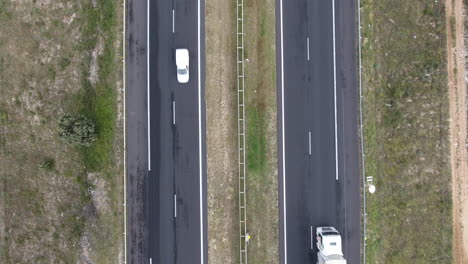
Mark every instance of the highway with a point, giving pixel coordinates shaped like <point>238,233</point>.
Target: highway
<point>318,125</point>
<point>176,196</point>
<point>167,206</point>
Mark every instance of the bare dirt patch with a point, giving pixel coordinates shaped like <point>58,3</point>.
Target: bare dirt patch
<point>221,106</point>
<point>456,65</point>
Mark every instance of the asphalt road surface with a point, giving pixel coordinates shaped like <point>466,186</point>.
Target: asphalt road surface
<point>318,124</point>
<point>176,196</point>
<point>136,131</point>
<point>168,221</point>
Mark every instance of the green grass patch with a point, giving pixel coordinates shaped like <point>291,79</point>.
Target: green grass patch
<point>256,141</point>
<point>406,132</point>
<point>4,14</point>
<point>98,101</point>
<point>261,109</point>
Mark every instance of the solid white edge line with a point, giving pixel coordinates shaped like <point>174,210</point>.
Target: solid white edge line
<point>308,57</point>
<point>175,205</point>
<point>200,153</point>
<point>173,21</point>
<point>282,135</point>
<point>124,129</point>
<point>173,112</point>
<point>310,144</point>
<point>364,221</point>
<point>334,93</point>
<point>148,80</point>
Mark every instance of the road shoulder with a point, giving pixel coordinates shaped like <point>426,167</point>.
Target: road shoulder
<point>136,130</point>
<point>456,69</point>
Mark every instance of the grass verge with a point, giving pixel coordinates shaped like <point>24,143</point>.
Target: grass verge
<point>222,157</point>
<point>59,203</point>
<point>261,145</point>
<point>97,98</point>
<point>406,131</point>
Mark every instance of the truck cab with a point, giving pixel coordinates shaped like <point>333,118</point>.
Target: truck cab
<point>328,241</point>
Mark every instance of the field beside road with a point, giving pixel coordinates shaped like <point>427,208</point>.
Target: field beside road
<point>60,203</point>
<point>406,130</point>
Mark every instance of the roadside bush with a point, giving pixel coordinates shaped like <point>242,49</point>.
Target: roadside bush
<point>77,130</point>
<point>47,164</point>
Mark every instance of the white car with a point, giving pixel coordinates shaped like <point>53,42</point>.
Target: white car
<point>182,62</point>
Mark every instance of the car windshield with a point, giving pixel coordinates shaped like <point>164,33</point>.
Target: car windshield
<point>182,71</point>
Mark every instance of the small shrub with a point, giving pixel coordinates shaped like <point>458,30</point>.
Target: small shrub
<point>52,73</point>
<point>63,63</point>
<point>47,164</point>
<point>3,117</point>
<point>77,130</point>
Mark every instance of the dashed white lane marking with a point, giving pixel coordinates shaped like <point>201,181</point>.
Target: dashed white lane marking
<point>175,205</point>
<point>308,49</point>
<point>173,112</point>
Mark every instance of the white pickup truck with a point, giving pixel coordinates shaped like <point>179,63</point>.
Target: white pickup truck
<point>328,241</point>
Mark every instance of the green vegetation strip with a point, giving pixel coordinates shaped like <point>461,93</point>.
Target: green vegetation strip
<point>98,101</point>
<point>261,108</point>
<point>406,132</point>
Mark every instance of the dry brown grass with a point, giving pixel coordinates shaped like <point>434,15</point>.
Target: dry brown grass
<point>63,213</point>
<point>221,106</point>
<point>406,129</point>
<point>456,63</point>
